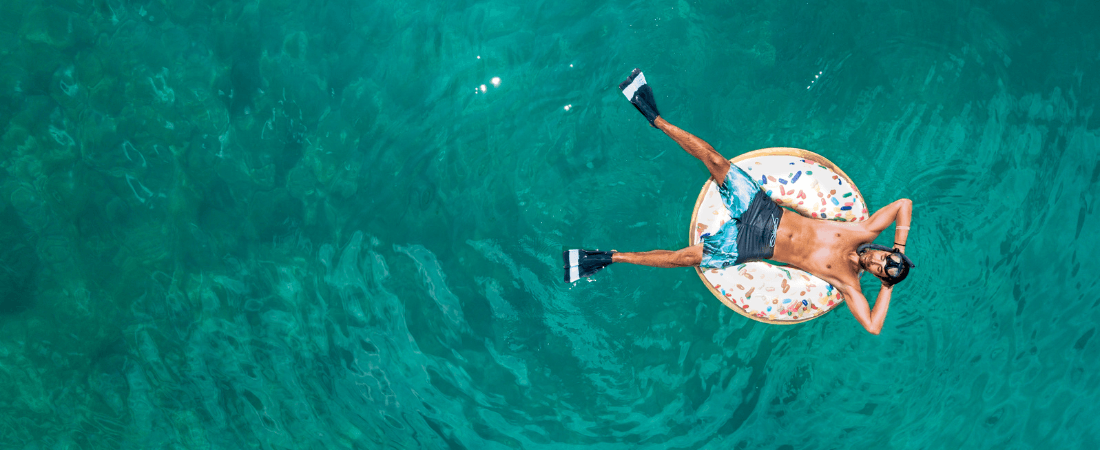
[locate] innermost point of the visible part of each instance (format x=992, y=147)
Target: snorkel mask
x=897, y=264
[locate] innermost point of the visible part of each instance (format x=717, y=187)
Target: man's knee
x=718, y=167
x=717, y=160
x=690, y=257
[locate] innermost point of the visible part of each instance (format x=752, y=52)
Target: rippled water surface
x=337, y=224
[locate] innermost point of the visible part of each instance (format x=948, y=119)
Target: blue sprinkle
x=763, y=179
x=769, y=308
x=845, y=208
x=769, y=193
x=834, y=200
x=782, y=181
x=805, y=303
x=785, y=301
x=796, y=175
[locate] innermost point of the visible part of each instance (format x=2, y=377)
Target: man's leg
x=641, y=96
x=717, y=164
x=585, y=263
x=685, y=257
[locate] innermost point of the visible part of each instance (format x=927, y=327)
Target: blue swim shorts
x=750, y=233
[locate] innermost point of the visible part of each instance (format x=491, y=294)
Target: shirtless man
x=837, y=252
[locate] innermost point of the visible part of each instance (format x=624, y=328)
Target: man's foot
x=640, y=95
x=584, y=263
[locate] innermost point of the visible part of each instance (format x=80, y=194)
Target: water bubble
x=68, y=84
x=130, y=181
x=126, y=152
x=163, y=92
x=61, y=137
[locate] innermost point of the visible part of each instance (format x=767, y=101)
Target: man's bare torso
x=824, y=248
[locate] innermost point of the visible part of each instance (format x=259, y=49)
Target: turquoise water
x=280, y=224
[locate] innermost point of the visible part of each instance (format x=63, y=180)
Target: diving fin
x=584, y=263
x=640, y=95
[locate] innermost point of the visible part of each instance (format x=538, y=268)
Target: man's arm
x=901, y=211
x=871, y=319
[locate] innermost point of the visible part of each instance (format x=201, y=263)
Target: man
x=837, y=252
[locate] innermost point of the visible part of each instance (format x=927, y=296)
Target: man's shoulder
x=852, y=234
x=842, y=276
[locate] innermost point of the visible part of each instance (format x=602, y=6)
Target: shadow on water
x=18, y=265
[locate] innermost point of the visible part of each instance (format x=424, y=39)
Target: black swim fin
x=640, y=95
x=584, y=263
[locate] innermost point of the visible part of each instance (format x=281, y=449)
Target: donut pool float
x=799, y=180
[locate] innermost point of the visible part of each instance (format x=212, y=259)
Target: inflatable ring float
x=804, y=182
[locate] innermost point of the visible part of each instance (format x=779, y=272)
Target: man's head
x=889, y=265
